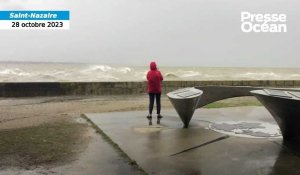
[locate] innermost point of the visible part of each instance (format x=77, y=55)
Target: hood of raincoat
x=153, y=66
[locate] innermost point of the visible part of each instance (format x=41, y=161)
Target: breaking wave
x=42, y=72
x=259, y=75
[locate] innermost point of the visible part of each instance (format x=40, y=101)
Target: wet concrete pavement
x=98, y=158
x=170, y=149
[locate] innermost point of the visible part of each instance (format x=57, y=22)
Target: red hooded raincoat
x=154, y=78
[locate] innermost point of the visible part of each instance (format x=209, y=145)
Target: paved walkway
x=170, y=149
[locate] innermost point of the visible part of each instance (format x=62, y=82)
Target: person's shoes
x=149, y=117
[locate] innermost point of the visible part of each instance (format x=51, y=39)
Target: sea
x=81, y=72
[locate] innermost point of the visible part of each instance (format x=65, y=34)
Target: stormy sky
x=172, y=32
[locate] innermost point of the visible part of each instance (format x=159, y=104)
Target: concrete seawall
x=31, y=89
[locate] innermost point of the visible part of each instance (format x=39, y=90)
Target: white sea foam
x=103, y=68
x=259, y=75
x=7, y=72
x=295, y=75
x=15, y=71
x=123, y=70
x=187, y=74
x=171, y=76
x=10, y=71
x=27, y=72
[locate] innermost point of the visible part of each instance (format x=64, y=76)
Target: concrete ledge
x=30, y=89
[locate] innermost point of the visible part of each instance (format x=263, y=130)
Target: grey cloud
x=176, y=33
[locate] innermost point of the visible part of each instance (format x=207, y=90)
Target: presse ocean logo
x=268, y=22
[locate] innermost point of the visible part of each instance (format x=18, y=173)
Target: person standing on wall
x=154, y=78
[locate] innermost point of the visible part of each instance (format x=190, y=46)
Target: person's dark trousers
x=152, y=97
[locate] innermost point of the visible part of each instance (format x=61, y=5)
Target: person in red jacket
x=154, y=78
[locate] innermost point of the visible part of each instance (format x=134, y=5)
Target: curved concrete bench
x=216, y=93
x=285, y=109
x=185, y=101
x=283, y=104
x=185, y=107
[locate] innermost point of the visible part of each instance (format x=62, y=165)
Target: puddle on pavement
x=249, y=129
x=149, y=129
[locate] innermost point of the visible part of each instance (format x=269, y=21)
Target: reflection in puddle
x=247, y=129
x=148, y=129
